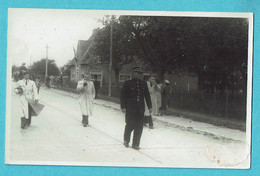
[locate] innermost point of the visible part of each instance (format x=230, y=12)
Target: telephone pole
x=111, y=55
x=46, y=67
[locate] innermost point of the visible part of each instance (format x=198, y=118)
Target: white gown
x=29, y=93
x=86, y=97
x=152, y=91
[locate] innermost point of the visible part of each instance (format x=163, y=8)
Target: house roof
x=82, y=51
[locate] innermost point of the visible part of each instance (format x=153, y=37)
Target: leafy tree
x=123, y=45
x=186, y=43
x=38, y=68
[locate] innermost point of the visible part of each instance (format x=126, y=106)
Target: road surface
x=57, y=136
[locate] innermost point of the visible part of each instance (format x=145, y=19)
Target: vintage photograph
x=129, y=88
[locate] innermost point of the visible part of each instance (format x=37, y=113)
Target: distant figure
x=38, y=85
x=27, y=91
x=61, y=80
x=159, y=96
x=22, y=70
x=133, y=95
x=47, y=81
x=165, y=95
x=87, y=94
x=152, y=88
x=97, y=86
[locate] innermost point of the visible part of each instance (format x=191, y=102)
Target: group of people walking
x=139, y=100
x=159, y=96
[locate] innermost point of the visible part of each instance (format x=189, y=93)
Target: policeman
x=133, y=94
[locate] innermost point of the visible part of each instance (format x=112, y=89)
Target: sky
x=30, y=30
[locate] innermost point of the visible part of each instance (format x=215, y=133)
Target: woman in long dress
x=152, y=87
x=159, y=98
x=87, y=94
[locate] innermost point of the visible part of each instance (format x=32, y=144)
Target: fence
x=226, y=104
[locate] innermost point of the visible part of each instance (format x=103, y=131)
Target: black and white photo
x=129, y=88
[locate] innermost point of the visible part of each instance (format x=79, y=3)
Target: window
x=98, y=75
x=73, y=75
x=77, y=73
x=124, y=77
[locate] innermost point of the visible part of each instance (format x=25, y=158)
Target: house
x=84, y=61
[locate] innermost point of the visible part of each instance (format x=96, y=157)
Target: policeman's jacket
x=133, y=94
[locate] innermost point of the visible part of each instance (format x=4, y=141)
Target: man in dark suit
x=133, y=95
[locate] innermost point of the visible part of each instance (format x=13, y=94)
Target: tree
x=187, y=43
x=177, y=44
x=123, y=45
x=38, y=68
x=15, y=69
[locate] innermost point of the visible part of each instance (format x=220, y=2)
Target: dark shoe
x=23, y=122
x=150, y=121
x=84, y=120
x=136, y=147
x=126, y=144
x=28, y=122
x=87, y=120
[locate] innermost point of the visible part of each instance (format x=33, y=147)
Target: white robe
x=152, y=91
x=87, y=94
x=29, y=93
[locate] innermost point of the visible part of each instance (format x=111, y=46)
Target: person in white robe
x=27, y=91
x=86, y=96
x=152, y=87
x=159, y=98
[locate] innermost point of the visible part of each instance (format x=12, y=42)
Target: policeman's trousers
x=134, y=122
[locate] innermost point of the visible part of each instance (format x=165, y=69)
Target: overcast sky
x=29, y=30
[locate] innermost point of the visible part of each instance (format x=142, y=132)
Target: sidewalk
x=209, y=130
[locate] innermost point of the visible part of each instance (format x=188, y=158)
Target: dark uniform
x=132, y=99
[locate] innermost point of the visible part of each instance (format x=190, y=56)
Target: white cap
x=166, y=81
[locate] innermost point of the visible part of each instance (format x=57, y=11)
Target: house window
x=77, y=73
x=97, y=75
x=124, y=77
x=73, y=75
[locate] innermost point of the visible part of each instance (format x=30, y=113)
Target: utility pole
x=46, y=67
x=30, y=61
x=111, y=55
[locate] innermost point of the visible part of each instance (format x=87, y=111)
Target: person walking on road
x=87, y=94
x=152, y=88
x=27, y=91
x=166, y=95
x=38, y=85
x=47, y=81
x=97, y=86
x=133, y=95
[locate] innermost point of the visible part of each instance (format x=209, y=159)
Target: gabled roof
x=83, y=48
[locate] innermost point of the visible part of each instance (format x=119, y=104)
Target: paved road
x=56, y=136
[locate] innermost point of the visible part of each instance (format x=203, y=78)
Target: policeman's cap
x=138, y=69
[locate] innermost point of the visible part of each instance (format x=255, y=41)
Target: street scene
x=88, y=88
x=56, y=135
